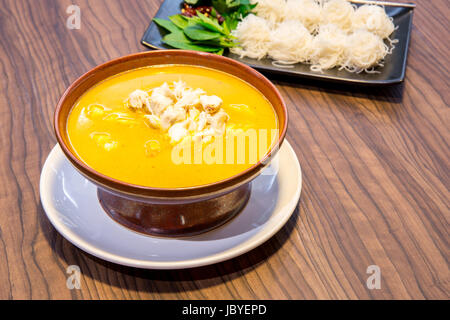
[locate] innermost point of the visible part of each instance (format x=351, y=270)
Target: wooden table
x=375, y=172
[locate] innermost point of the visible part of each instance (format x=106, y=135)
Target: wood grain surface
x=375, y=171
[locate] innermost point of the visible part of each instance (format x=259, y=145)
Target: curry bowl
x=169, y=211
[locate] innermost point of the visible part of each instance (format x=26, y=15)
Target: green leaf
x=193, y=2
x=220, y=52
x=245, y=9
x=166, y=24
x=180, y=41
x=232, y=17
x=198, y=32
x=179, y=20
x=207, y=22
x=226, y=28
x=222, y=42
x=225, y=6
x=214, y=12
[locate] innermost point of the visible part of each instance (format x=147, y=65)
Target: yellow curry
x=160, y=126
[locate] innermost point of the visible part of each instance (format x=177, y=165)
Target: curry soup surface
x=114, y=140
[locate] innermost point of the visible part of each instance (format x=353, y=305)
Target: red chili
x=190, y=11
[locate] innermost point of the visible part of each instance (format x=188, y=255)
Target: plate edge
x=162, y=265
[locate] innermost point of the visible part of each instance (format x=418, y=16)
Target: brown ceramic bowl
x=164, y=211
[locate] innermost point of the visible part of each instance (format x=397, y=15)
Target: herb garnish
x=210, y=31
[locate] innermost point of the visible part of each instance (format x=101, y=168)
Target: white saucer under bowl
x=71, y=204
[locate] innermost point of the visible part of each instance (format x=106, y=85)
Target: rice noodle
x=373, y=19
x=290, y=42
x=338, y=12
x=328, y=48
x=271, y=10
x=305, y=11
x=253, y=33
x=364, y=50
x=323, y=33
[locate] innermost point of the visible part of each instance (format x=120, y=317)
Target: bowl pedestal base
x=174, y=219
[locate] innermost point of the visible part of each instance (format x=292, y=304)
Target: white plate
x=71, y=204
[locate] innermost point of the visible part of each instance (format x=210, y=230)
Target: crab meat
x=171, y=115
x=190, y=98
x=210, y=104
x=153, y=121
x=181, y=111
x=218, y=121
x=164, y=90
x=177, y=132
x=178, y=89
x=159, y=103
x=138, y=100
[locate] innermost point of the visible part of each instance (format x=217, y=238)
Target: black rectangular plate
x=392, y=72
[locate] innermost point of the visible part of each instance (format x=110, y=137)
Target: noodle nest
x=323, y=33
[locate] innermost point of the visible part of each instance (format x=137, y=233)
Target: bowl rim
x=123, y=186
